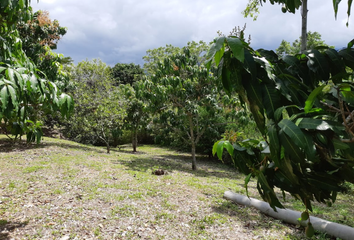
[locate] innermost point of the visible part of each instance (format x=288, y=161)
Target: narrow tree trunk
x=194, y=161
x=304, y=11
x=191, y=133
x=135, y=140
x=108, y=147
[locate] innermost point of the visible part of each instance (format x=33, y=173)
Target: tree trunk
x=191, y=133
x=290, y=216
x=194, y=161
x=135, y=140
x=304, y=11
x=108, y=147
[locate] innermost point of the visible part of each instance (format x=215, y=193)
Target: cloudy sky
x=120, y=31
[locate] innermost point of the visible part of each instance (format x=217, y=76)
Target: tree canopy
x=124, y=73
x=314, y=40
x=155, y=56
x=99, y=108
x=180, y=92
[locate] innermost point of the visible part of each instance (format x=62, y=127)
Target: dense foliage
x=303, y=106
x=126, y=73
x=99, y=111
x=26, y=93
x=180, y=93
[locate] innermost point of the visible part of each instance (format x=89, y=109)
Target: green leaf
x=219, y=149
x=226, y=79
x=293, y=131
x=216, y=48
x=66, y=104
x=335, y=7
x=350, y=44
x=250, y=64
x=254, y=92
x=274, y=143
x=349, y=8
x=271, y=99
x=267, y=192
x=310, y=149
x=278, y=114
x=312, y=97
x=4, y=96
x=348, y=56
x=257, y=113
x=237, y=48
x=291, y=150
x=229, y=148
x=337, y=65
x=215, y=147
x=310, y=123
x=338, y=144
x=323, y=184
x=10, y=74
x=247, y=180
x=317, y=63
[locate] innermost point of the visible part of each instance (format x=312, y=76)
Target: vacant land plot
x=65, y=190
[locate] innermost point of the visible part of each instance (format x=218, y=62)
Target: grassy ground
x=64, y=190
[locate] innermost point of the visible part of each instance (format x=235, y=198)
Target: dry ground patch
x=64, y=190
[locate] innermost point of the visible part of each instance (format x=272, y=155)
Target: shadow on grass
x=6, y=145
x=173, y=162
x=7, y=227
x=252, y=218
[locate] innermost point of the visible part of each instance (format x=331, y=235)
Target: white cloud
x=122, y=30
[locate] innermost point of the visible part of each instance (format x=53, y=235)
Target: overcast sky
x=120, y=31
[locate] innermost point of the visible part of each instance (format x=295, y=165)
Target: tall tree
x=181, y=92
x=99, y=105
x=313, y=40
x=40, y=37
x=136, y=112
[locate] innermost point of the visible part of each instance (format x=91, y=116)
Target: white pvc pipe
x=290, y=216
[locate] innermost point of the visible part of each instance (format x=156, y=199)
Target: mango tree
x=183, y=93
x=136, y=111
x=26, y=94
x=303, y=106
x=99, y=107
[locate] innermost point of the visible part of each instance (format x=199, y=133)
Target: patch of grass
x=58, y=191
x=3, y=222
x=31, y=169
x=12, y=185
x=123, y=211
x=163, y=216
